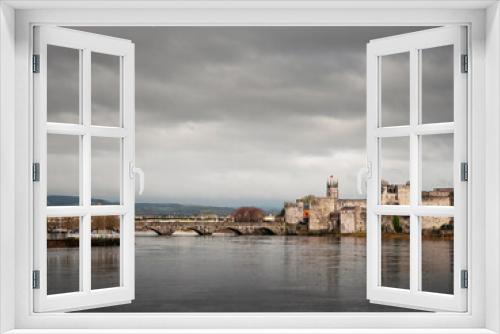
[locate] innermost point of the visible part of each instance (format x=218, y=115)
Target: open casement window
x=417, y=150
x=73, y=122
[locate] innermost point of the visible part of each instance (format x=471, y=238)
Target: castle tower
x=332, y=187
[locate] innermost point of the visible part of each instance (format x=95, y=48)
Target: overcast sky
x=247, y=115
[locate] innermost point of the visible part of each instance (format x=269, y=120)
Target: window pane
x=63, y=177
x=63, y=84
x=395, y=251
x=437, y=169
x=63, y=254
x=105, y=252
x=437, y=254
x=106, y=170
x=395, y=171
x=105, y=89
x=395, y=89
x=437, y=84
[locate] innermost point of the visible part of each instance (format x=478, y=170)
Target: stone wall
x=320, y=214
x=395, y=194
x=351, y=202
x=360, y=223
x=436, y=223
x=439, y=196
x=294, y=212
x=353, y=219
x=347, y=220
x=404, y=194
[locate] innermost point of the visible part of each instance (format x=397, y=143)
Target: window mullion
x=414, y=172
x=85, y=241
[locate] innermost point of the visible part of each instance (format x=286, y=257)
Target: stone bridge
x=166, y=226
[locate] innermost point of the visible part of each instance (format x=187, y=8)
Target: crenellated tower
x=332, y=187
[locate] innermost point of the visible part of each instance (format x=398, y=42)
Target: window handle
x=363, y=174
x=136, y=170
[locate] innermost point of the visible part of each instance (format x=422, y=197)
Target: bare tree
x=248, y=214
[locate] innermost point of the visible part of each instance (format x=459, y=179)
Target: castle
x=399, y=194
x=328, y=214
x=332, y=214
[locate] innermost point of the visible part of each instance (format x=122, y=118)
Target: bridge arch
x=186, y=229
x=228, y=229
x=200, y=232
x=157, y=231
x=264, y=231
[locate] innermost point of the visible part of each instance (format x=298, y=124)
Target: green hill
x=149, y=209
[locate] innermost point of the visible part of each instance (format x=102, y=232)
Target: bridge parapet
x=207, y=227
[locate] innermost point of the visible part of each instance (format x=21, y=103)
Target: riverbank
x=426, y=235
x=107, y=242
x=75, y=242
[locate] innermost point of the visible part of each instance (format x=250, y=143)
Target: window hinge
x=36, y=172
x=36, y=279
x=464, y=279
x=36, y=63
x=464, y=171
x=465, y=64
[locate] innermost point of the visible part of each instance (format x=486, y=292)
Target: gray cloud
x=245, y=115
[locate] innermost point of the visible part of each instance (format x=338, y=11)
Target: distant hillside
x=73, y=200
x=179, y=209
x=149, y=208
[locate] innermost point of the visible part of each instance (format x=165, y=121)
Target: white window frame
x=85, y=43
x=16, y=20
x=413, y=44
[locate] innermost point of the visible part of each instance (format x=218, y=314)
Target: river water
x=254, y=273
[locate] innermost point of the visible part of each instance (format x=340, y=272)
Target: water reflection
x=63, y=270
x=105, y=267
x=437, y=266
x=253, y=274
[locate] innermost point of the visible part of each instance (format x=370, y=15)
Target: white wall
x=492, y=214
x=6, y=167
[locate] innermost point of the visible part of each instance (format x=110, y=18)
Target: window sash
x=414, y=43
x=86, y=43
